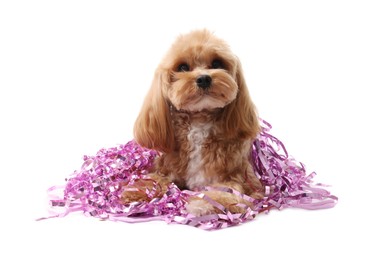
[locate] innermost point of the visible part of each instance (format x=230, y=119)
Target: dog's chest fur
x=196, y=137
x=191, y=165
x=202, y=155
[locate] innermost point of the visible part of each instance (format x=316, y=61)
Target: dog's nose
x=204, y=81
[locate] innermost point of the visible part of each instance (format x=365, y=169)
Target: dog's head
x=199, y=73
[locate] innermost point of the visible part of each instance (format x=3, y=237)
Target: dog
x=199, y=115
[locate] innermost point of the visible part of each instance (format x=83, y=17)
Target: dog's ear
x=153, y=128
x=240, y=116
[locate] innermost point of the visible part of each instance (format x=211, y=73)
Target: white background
x=73, y=75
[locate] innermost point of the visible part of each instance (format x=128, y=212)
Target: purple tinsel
x=96, y=188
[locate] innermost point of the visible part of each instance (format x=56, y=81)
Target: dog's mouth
x=205, y=100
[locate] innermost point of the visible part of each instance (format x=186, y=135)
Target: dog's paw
x=227, y=202
x=138, y=191
x=130, y=195
x=199, y=207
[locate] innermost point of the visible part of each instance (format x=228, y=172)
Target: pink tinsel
x=96, y=188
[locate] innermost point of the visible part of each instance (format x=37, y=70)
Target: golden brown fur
x=204, y=133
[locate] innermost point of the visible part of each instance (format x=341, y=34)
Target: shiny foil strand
x=96, y=188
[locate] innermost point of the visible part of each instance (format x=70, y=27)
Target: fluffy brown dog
x=199, y=114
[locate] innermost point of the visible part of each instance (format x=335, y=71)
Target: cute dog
x=199, y=115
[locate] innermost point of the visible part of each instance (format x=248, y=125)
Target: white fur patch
x=195, y=169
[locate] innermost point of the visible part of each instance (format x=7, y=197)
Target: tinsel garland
x=96, y=188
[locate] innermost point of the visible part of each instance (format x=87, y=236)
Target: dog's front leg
x=218, y=201
x=145, y=189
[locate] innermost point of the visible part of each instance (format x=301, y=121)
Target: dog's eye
x=183, y=67
x=217, y=64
